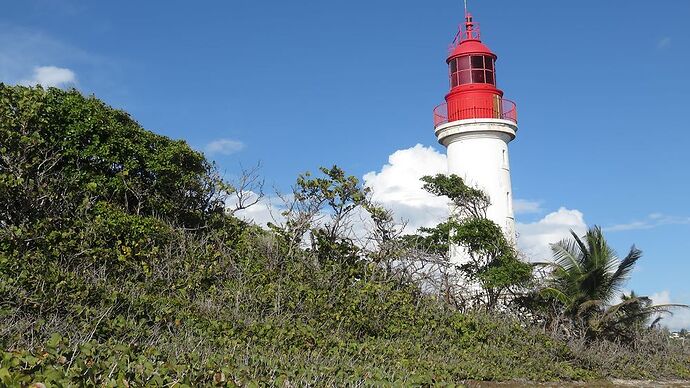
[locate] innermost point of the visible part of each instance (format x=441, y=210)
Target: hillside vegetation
x=121, y=264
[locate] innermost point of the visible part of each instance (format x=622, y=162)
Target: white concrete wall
x=478, y=153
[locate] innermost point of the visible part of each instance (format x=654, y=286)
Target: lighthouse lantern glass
x=478, y=77
x=477, y=62
x=468, y=69
x=463, y=63
x=488, y=63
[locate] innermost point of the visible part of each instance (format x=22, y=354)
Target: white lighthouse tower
x=476, y=124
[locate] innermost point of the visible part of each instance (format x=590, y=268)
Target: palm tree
x=587, y=276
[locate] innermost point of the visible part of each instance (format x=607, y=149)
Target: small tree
x=492, y=259
x=320, y=210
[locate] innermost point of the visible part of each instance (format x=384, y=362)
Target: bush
x=119, y=266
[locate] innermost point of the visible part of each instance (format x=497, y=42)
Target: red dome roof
x=470, y=46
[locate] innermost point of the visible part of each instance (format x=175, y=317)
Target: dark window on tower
x=478, y=77
x=465, y=77
x=463, y=63
x=488, y=63
x=454, y=80
x=477, y=62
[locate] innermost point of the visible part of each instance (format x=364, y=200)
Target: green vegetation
x=586, y=277
x=120, y=264
x=493, y=264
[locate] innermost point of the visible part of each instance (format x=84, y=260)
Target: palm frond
x=584, y=249
x=567, y=255
x=668, y=307
x=587, y=306
x=655, y=321
x=600, y=255
x=631, y=300
x=625, y=267
x=551, y=292
x=643, y=312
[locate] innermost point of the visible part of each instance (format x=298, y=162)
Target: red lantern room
x=473, y=93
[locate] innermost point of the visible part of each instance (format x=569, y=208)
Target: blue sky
x=601, y=89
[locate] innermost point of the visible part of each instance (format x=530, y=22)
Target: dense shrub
x=119, y=266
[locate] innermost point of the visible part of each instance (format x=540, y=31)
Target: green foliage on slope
x=119, y=265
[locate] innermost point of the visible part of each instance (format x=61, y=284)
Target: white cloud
x=50, y=76
x=397, y=186
x=664, y=42
x=653, y=220
x=523, y=206
x=534, y=238
x=223, y=147
x=681, y=316
x=268, y=209
x=22, y=50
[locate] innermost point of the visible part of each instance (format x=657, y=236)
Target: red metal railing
x=505, y=110
x=470, y=31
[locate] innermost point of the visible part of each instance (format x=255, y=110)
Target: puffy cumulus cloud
x=397, y=186
x=223, y=147
x=48, y=76
x=534, y=238
x=680, y=318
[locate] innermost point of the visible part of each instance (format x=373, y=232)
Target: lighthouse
x=475, y=124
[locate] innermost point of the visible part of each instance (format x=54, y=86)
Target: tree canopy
x=61, y=149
